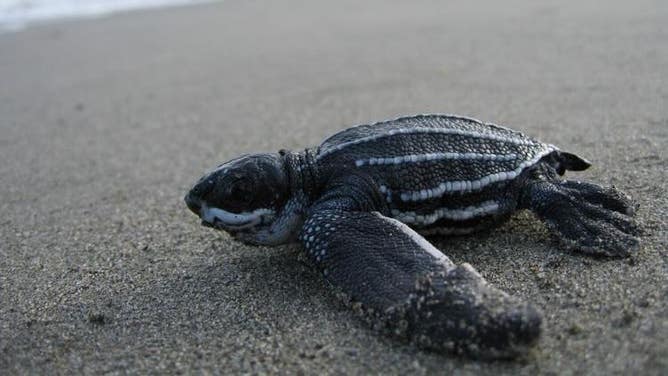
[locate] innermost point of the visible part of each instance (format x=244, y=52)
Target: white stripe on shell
x=238, y=220
x=415, y=158
x=472, y=185
x=418, y=130
x=447, y=231
x=420, y=241
x=486, y=208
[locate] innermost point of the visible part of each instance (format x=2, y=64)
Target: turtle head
x=242, y=195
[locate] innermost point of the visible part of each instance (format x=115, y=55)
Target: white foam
x=17, y=14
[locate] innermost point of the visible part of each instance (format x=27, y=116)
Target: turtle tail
x=563, y=161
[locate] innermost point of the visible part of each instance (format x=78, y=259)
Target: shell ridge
x=421, y=123
x=426, y=130
x=450, y=186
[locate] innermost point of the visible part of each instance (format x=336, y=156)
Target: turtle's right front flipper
x=407, y=286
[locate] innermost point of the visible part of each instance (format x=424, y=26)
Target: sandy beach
x=105, y=124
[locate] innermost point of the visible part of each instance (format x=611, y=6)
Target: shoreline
x=40, y=14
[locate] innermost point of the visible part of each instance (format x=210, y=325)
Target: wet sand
x=104, y=124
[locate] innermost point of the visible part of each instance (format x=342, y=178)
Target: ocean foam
x=17, y=14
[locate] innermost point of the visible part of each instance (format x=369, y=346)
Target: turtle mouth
x=234, y=222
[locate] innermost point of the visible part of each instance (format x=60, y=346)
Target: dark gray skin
x=359, y=201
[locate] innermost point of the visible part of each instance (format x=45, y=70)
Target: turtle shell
x=445, y=170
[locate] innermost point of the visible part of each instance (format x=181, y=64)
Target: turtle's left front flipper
x=407, y=286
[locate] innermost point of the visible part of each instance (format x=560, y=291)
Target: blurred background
x=106, y=121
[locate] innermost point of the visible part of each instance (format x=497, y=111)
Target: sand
x=105, y=123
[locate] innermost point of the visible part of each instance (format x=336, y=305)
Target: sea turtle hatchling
x=360, y=201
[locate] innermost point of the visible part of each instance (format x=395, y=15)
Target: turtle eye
x=241, y=193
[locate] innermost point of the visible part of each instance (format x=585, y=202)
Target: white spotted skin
x=314, y=237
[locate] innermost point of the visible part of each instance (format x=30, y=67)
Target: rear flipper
x=585, y=217
x=407, y=287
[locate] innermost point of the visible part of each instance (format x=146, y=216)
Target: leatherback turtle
x=360, y=201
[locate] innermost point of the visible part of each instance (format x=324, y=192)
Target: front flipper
x=585, y=217
x=406, y=286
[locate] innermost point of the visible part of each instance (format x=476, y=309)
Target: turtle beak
x=194, y=198
x=194, y=203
